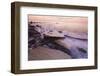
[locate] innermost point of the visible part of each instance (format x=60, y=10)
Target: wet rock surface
x=74, y=45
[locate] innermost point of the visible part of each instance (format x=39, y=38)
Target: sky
x=66, y=23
